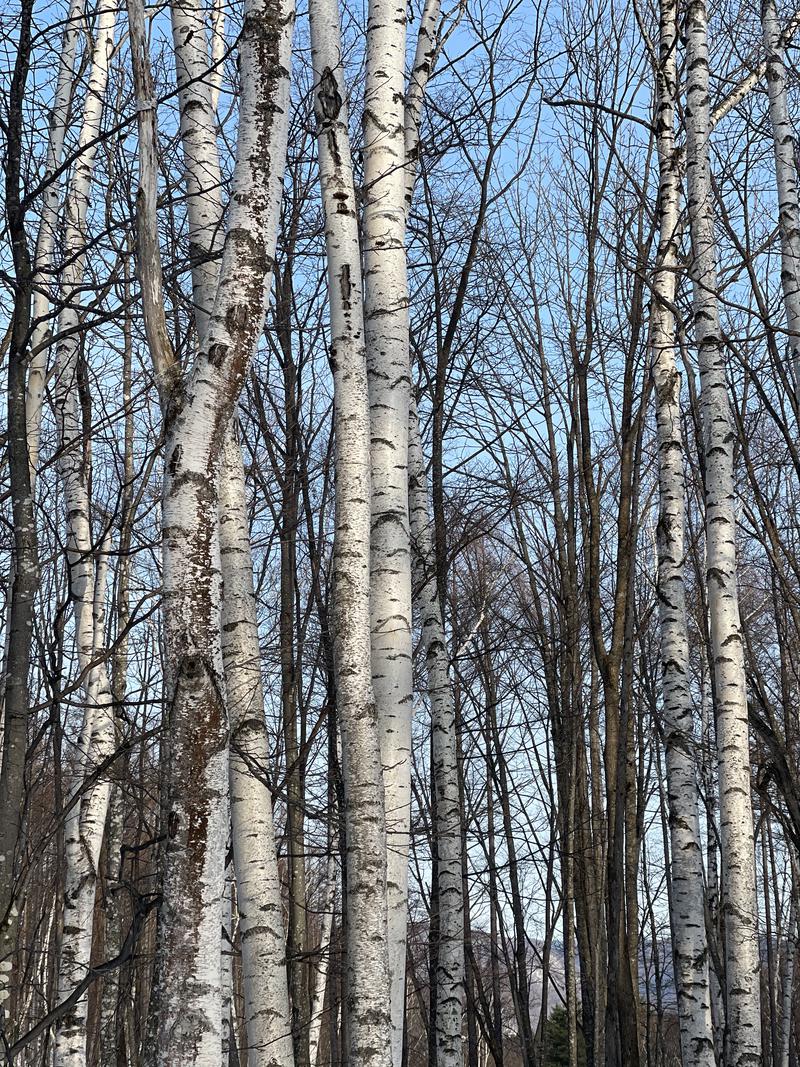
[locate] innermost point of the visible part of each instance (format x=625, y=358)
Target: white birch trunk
x=450, y=990
x=217, y=51
x=86, y=818
x=258, y=888
x=323, y=967
x=45, y=242
x=688, y=894
x=450, y=977
x=368, y=982
x=227, y=964
x=743, y=1018
x=424, y=59
x=198, y=133
x=786, y=177
x=255, y=858
x=386, y=326
x=187, y=996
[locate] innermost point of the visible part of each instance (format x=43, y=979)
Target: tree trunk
x=369, y=1020
x=88, y=804
x=258, y=886
x=449, y=976
x=48, y=228
x=743, y=1019
x=687, y=898
x=25, y=561
x=386, y=326
x=186, y=1001
x=786, y=175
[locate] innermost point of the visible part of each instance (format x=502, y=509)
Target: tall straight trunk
x=86, y=817
x=369, y=1020
x=323, y=967
x=44, y=262
x=217, y=51
x=496, y=1021
x=424, y=58
x=687, y=900
x=201, y=167
x=449, y=976
x=386, y=326
x=742, y=965
x=258, y=886
x=113, y=1002
x=472, y=1025
x=186, y=1001
x=713, y=926
x=25, y=561
x=568, y=874
x=448, y=989
x=258, y=890
x=786, y=177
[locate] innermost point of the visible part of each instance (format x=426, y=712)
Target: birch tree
x=44, y=260
x=786, y=174
x=450, y=960
x=258, y=883
x=27, y=367
x=742, y=963
x=688, y=896
x=386, y=332
x=369, y=1018
x=187, y=995
x=450, y=947
x=89, y=795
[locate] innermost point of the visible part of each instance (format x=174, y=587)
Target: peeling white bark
x=742, y=965
x=688, y=894
x=368, y=1019
x=187, y=996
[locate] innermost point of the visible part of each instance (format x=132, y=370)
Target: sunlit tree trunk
x=89, y=793
x=258, y=887
x=266, y=1004
x=783, y=137
x=688, y=895
x=369, y=1032
x=386, y=326
x=742, y=964
x=449, y=993
x=323, y=967
x=186, y=1003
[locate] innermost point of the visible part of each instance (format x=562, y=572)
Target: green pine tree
x=557, y=1041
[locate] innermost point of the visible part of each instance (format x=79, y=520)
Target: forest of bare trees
x=400, y=533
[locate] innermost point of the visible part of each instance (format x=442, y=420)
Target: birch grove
x=400, y=609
